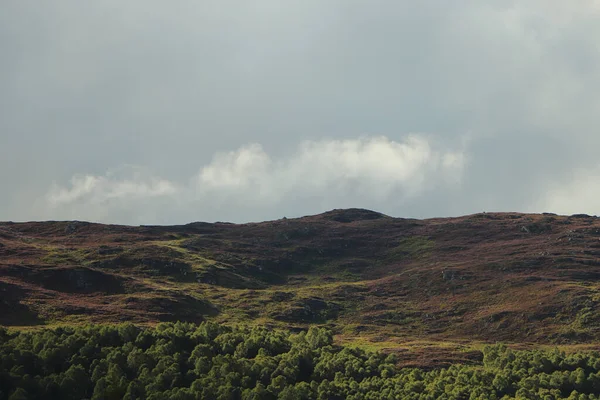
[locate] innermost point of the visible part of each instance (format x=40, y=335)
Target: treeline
x=208, y=361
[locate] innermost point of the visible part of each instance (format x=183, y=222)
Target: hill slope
x=484, y=277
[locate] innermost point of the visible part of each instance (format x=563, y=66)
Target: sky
x=155, y=112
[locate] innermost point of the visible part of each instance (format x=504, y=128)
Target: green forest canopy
x=209, y=361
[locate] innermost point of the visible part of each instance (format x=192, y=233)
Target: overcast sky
x=144, y=112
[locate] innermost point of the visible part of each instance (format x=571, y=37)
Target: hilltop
x=393, y=283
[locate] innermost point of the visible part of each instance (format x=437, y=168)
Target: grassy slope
x=441, y=286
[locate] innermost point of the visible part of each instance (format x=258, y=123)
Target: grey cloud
x=89, y=88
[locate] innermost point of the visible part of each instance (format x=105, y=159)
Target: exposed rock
x=448, y=274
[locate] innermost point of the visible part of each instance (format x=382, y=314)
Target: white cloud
x=101, y=189
x=577, y=195
x=236, y=169
x=370, y=170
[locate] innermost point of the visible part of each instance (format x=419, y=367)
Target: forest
x=210, y=361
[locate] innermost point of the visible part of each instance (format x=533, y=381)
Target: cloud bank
x=325, y=174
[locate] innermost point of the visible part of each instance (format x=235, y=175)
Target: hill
x=435, y=289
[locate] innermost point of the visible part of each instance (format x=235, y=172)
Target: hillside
x=392, y=283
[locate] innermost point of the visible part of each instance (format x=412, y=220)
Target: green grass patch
x=63, y=256
x=412, y=247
